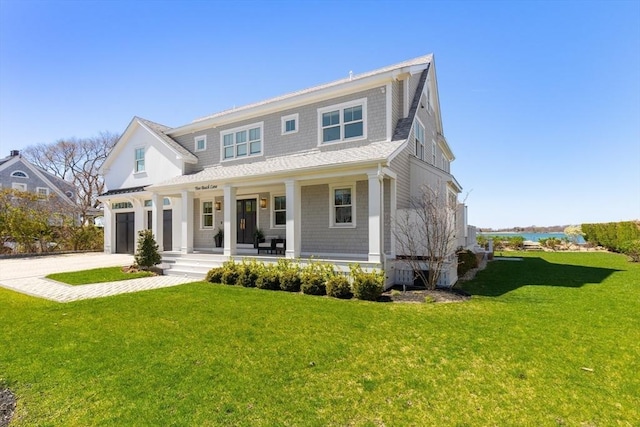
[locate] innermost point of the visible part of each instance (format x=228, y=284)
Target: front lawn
x=549, y=340
x=97, y=275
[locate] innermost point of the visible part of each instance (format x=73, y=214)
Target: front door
x=247, y=220
x=125, y=226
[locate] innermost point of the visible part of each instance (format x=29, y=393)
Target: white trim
x=285, y=119
x=273, y=211
x=341, y=107
x=195, y=142
x=233, y=131
x=13, y=174
x=433, y=152
x=213, y=214
x=46, y=191
x=352, y=186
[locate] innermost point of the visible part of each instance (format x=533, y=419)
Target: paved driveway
x=26, y=275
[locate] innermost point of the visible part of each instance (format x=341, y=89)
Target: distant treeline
x=615, y=236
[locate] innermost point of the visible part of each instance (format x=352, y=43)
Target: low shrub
x=466, y=261
x=230, y=273
x=552, y=243
x=248, y=273
x=313, y=278
x=366, y=286
x=338, y=287
x=214, y=275
x=269, y=278
x=632, y=250
x=290, y=281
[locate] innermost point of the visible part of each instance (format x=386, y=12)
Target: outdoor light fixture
x=263, y=203
x=218, y=206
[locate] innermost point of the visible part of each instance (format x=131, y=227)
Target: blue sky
x=540, y=100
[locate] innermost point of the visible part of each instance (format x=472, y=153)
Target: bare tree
x=78, y=161
x=426, y=234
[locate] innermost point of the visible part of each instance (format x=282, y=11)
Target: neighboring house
x=325, y=168
x=18, y=173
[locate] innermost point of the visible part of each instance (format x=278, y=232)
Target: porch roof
x=312, y=160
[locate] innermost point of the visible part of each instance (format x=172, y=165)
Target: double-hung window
x=290, y=124
x=139, y=166
x=207, y=214
x=419, y=136
x=342, y=122
x=242, y=142
x=42, y=192
x=343, y=206
x=279, y=211
x=433, y=152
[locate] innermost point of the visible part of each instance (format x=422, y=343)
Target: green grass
x=96, y=275
x=203, y=354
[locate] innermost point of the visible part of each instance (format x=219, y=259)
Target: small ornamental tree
x=147, y=254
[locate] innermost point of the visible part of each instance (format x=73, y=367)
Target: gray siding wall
x=33, y=181
x=397, y=102
x=318, y=237
x=276, y=144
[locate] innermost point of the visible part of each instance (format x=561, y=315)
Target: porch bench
x=272, y=245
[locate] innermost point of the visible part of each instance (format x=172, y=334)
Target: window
x=122, y=205
x=20, y=186
x=419, y=135
x=343, y=206
x=200, y=143
x=290, y=124
x=69, y=194
x=207, y=215
x=42, y=191
x=279, y=211
x=242, y=142
x=433, y=152
x=342, y=122
x=139, y=160
x=19, y=174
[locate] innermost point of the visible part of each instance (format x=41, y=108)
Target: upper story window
x=342, y=122
x=69, y=194
x=42, y=191
x=343, y=206
x=419, y=137
x=242, y=142
x=433, y=152
x=279, y=211
x=200, y=143
x=19, y=174
x=139, y=167
x=21, y=186
x=289, y=124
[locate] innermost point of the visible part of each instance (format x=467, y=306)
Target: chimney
x=15, y=153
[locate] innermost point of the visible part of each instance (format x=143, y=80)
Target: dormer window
x=290, y=124
x=19, y=174
x=241, y=142
x=343, y=122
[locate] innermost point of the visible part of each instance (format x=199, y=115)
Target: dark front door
x=167, y=228
x=125, y=225
x=247, y=220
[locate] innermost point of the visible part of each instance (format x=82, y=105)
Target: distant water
x=534, y=237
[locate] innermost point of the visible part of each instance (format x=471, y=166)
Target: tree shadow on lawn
x=501, y=277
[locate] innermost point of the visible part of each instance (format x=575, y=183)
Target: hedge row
x=314, y=279
x=614, y=236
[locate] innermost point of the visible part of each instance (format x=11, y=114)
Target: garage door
x=125, y=229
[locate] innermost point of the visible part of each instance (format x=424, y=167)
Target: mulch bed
x=7, y=406
x=397, y=294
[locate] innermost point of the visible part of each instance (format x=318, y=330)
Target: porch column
x=294, y=209
x=375, y=217
x=176, y=224
x=138, y=225
x=230, y=220
x=109, y=228
x=186, y=229
x=157, y=220
x=393, y=208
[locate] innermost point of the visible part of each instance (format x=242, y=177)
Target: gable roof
x=411, y=66
x=311, y=160
x=159, y=132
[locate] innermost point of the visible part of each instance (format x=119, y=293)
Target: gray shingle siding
x=33, y=181
x=276, y=144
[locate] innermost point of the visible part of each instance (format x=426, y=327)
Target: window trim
x=273, y=210
x=42, y=188
x=233, y=131
x=332, y=206
x=20, y=186
x=433, y=152
x=418, y=124
x=136, y=160
x=13, y=174
x=195, y=142
x=341, y=107
x=283, y=123
x=202, y=214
